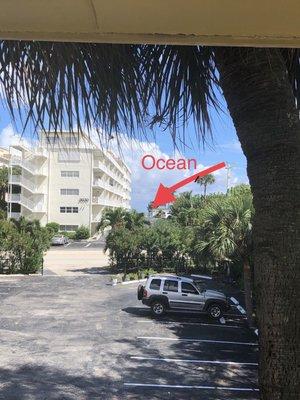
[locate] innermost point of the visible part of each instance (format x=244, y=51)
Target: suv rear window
x=155, y=284
x=171, y=286
x=188, y=288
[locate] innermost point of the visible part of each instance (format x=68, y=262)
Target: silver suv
x=163, y=292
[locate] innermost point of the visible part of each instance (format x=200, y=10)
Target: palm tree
x=112, y=218
x=227, y=227
x=117, y=87
x=205, y=180
x=134, y=220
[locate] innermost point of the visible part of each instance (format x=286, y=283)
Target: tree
x=22, y=246
x=53, y=227
x=205, y=180
x=82, y=232
x=168, y=85
x=134, y=220
x=226, y=234
x=185, y=208
x=3, y=187
x=112, y=218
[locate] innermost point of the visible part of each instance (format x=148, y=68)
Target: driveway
x=76, y=258
x=78, y=338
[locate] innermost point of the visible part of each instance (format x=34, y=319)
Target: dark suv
x=163, y=292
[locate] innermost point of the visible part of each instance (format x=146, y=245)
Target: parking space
x=77, y=337
x=187, y=356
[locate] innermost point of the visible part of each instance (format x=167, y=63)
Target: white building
x=66, y=179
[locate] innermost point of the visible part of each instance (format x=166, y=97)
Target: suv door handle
x=165, y=292
x=184, y=294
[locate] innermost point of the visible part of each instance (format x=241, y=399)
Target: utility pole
x=229, y=168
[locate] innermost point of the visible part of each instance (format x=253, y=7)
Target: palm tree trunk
x=261, y=104
x=248, y=292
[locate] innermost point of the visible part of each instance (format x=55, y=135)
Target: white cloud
x=232, y=146
x=9, y=137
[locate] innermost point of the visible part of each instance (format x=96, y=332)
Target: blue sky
x=224, y=147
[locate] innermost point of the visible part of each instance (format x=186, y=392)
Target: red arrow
x=165, y=195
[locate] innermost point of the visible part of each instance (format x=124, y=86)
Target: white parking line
x=88, y=245
x=241, y=310
x=153, y=385
x=196, y=340
x=179, y=360
x=234, y=300
x=188, y=323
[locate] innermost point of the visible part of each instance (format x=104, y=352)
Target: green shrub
x=22, y=246
x=68, y=234
x=82, y=232
x=53, y=227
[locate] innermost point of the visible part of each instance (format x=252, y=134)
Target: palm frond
x=113, y=87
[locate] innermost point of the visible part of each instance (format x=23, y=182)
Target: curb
x=136, y=281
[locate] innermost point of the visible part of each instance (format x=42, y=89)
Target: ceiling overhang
x=209, y=22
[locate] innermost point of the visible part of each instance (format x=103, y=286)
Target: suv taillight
x=145, y=294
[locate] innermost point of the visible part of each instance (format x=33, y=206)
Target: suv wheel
x=140, y=292
x=158, y=308
x=215, y=311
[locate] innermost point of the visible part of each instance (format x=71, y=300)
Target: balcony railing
x=104, y=168
x=27, y=183
x=104, y=201
x=107, y=186
x=28, y=165
x=24, y=201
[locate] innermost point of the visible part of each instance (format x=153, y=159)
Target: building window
x=68, y=156
x=68, y=228
x=69, y=174
x=69, y=192
x=69, y=210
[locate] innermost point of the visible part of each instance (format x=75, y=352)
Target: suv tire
x=158, y=308
x=140, y=292
x=215, y=311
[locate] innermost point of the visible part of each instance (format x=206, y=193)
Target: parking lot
x=80, y=338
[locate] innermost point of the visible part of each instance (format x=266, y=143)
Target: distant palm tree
x=112, y=218
x=134, y=220
x=125, y=87
x=205, y=181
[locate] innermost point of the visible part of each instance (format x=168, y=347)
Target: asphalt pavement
x=80, y=245
x=80, y=338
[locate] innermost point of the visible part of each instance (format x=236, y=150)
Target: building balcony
x=25, y=202
x=26, y=183
x=105, y=185
x=105, y=201
x=29, y=166
x=99, y=165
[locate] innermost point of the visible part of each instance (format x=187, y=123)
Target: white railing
x=27, y=183
x=107, y=186
x=106, y=202
x=104, y=168
x=31, y=167
x=28, y=203
x=13, y=197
